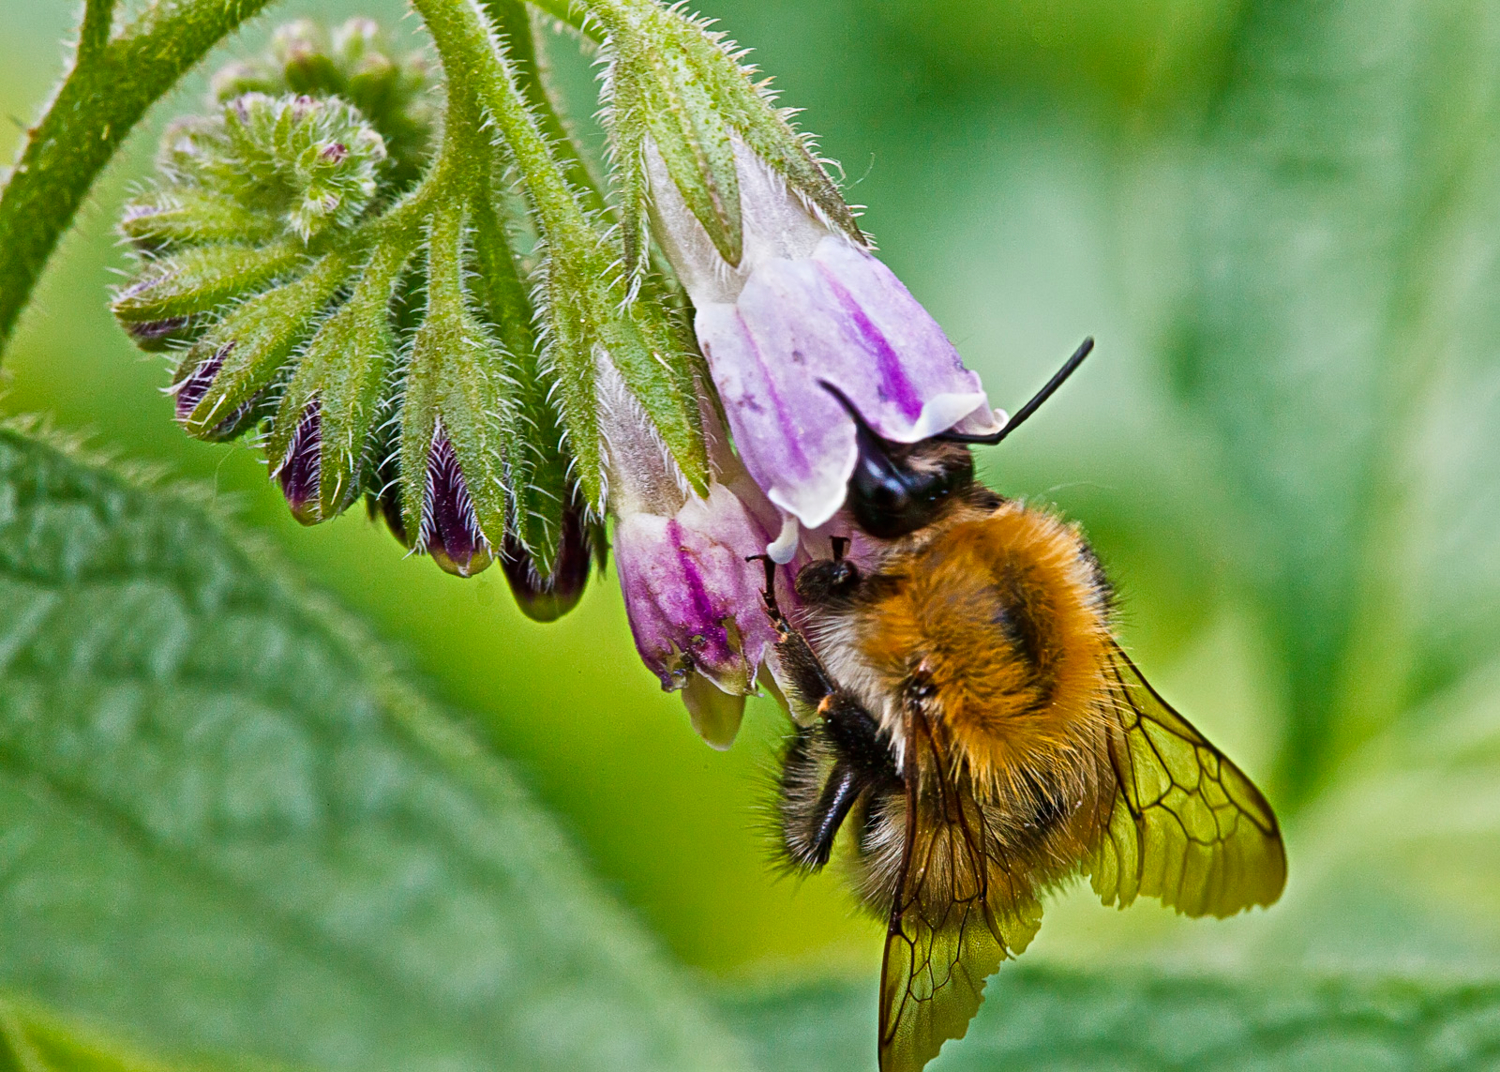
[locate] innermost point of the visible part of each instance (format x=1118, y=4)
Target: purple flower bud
x=806, y=305
x=450, y=529
x=300, y=468
x=383, y=500
x=193, y=388
x=546, y=599
x=189, y=390
x=152, y=335
x=693, y=599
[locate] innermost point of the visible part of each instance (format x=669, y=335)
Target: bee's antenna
x=1057, y=380
x=849, y=407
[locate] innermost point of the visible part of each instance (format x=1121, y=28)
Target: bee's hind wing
x=1186, y=826
x=940, y=949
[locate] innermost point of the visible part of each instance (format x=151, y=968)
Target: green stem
x=476, y=68
x=573, y=13
x=111, y=85
x=98, y=20
x=529, y=64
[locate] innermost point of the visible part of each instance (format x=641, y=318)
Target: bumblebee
x=975, y=727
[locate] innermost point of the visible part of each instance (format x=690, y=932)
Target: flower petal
x=693, y=599
x=716, y=715
x=843, y=317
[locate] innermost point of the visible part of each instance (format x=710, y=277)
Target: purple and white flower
x=807, y=306
x=693, y=599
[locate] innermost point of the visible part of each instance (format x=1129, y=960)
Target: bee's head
x=898, y=488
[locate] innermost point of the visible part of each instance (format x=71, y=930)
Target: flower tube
x=806, y=306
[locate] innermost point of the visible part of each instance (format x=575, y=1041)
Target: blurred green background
x=1280, y=220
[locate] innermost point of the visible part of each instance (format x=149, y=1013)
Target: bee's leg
x=810, y=682
x=864, y=762
x=813, y=844
x=768, y=594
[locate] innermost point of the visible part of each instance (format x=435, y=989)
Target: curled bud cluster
x=355, y=63
x=321, y=287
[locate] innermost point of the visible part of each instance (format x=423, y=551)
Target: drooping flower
x=804, y=307
x=692, y=596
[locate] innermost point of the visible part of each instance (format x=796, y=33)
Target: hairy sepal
x=200, y=280
x=255, y=341
x=343, y=370
x=672, y=80
x=658, y=94
x=538, y=465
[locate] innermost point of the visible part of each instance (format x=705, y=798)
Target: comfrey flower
x=692, y=597
x=807, y=309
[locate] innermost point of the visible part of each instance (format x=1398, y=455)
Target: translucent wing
x=1186, y=826
x=955, y=919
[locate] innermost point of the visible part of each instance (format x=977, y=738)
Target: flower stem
x=512, y=20
x=573, y=13
x=98, y=19
x=476, y=68
x=112, y=83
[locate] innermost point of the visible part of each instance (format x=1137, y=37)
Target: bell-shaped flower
x=805, y=307
x=692, y=596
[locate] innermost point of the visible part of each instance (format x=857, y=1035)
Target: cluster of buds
x=446, y=317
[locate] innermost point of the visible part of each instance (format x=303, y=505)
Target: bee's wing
x=1186, y=825
x=939, y=950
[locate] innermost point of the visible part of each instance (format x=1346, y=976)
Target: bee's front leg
x=810, y=682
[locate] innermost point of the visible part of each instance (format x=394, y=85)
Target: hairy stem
x=112, y=83
x=475, y=67
x=573, y=13
x=98, y=20
x=513, y=22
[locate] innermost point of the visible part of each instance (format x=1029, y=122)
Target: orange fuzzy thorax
x=1005, y=619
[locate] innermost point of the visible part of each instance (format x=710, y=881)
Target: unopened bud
x=450, y=529
x=252, y=344
x=198, y=280
x=383, y=500
x=298, y=473
x=301, y=49
x=194, y=381
x=237, y=79
x=545, y=599
x=156, y=335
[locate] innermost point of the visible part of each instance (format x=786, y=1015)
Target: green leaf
x=35, y=1040
x=1035, y=1020
x=228, y=827
x=1334, y=196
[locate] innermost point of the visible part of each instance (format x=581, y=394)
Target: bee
x=974, y=725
